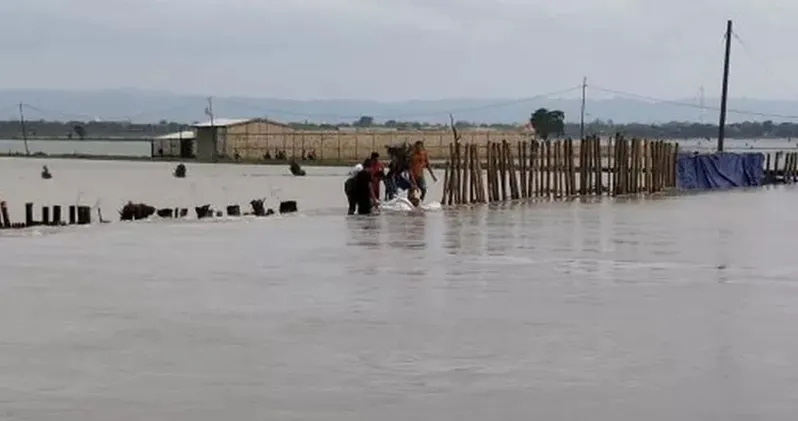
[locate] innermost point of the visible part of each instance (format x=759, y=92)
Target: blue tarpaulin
x=719, y=171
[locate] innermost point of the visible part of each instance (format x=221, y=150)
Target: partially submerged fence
x=781, y=171
x=557, y=169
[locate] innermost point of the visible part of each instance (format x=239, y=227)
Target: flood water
x=679, y=308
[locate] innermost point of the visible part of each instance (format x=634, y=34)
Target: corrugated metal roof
x=223, y=122
x=187, y=134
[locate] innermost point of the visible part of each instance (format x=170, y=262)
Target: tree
x=548, y=122
x=80, y=131
x=364, y=121
x=767, y=126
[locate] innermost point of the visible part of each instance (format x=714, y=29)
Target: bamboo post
x=611, y=158
x=582, y=172
x=587, y=166
x=480, y=180
x=503, y=168
x=768, y=174
x=647, y=165
x=674, y=164
x=548, y=168
x=566, y=186
x=446, y=169
x=659, y=169
x=787, y=163
x=497, y=182
x=472, y=191
x=540, y=168
x=474, y=174
x=56, y=215
x=597, y=169
x=533, y=168
x=654, y=166
x=666, y=165
x=457, y=179
x=521, y=185
x=621, y=167
x=29, y=221
x=452, y=177
x=464, y=173
x=636, y=165
x=572, y=166
x=515, y=171
x=615, y=160
x=4, y=215
x=558, y=185
x=45, y=215
x=506, y=154
x=559, y=168
x=489, y=172
x=555, y=168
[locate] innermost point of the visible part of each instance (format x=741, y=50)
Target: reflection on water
x=674, y=308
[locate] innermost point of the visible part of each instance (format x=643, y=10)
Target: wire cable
x=687, y=104
x=408, y=115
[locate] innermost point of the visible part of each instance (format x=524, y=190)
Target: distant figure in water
x=180, y=171
x=296, y=169
x=46, y=173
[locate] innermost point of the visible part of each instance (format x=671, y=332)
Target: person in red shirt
x=377, y=171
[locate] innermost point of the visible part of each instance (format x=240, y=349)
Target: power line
x=407, y=115
x=691, y=105
x=762, y=63
x=81, y=116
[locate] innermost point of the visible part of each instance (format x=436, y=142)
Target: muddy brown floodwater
x=679, y=308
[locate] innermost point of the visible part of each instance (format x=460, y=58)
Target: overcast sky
x=397, y=49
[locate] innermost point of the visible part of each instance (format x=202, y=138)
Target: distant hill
x=141, y=106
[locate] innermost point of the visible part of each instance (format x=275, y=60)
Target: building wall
x=171, y=147
x=251, y=140
x=205, y=150
x=253, y=143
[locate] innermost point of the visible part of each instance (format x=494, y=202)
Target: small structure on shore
x=296, y=169
x=180, y=171
x=136, y=211
x=49, y=216
x=46, y=173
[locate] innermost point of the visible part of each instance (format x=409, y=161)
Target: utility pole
x=24, y=129
x=582, y=119
x=725, y=92
x=214, y=130
x=209, y=110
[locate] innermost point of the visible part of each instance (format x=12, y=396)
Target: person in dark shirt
x=358, y=190
x=399, y=163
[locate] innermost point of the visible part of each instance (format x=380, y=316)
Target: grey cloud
x=389, y=49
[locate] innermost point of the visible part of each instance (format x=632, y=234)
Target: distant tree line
x=548, y=123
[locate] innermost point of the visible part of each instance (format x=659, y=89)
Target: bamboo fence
x=558, y=169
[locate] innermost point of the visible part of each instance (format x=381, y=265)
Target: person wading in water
x=377, y=171
x=359, y=192
x=419, y=161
